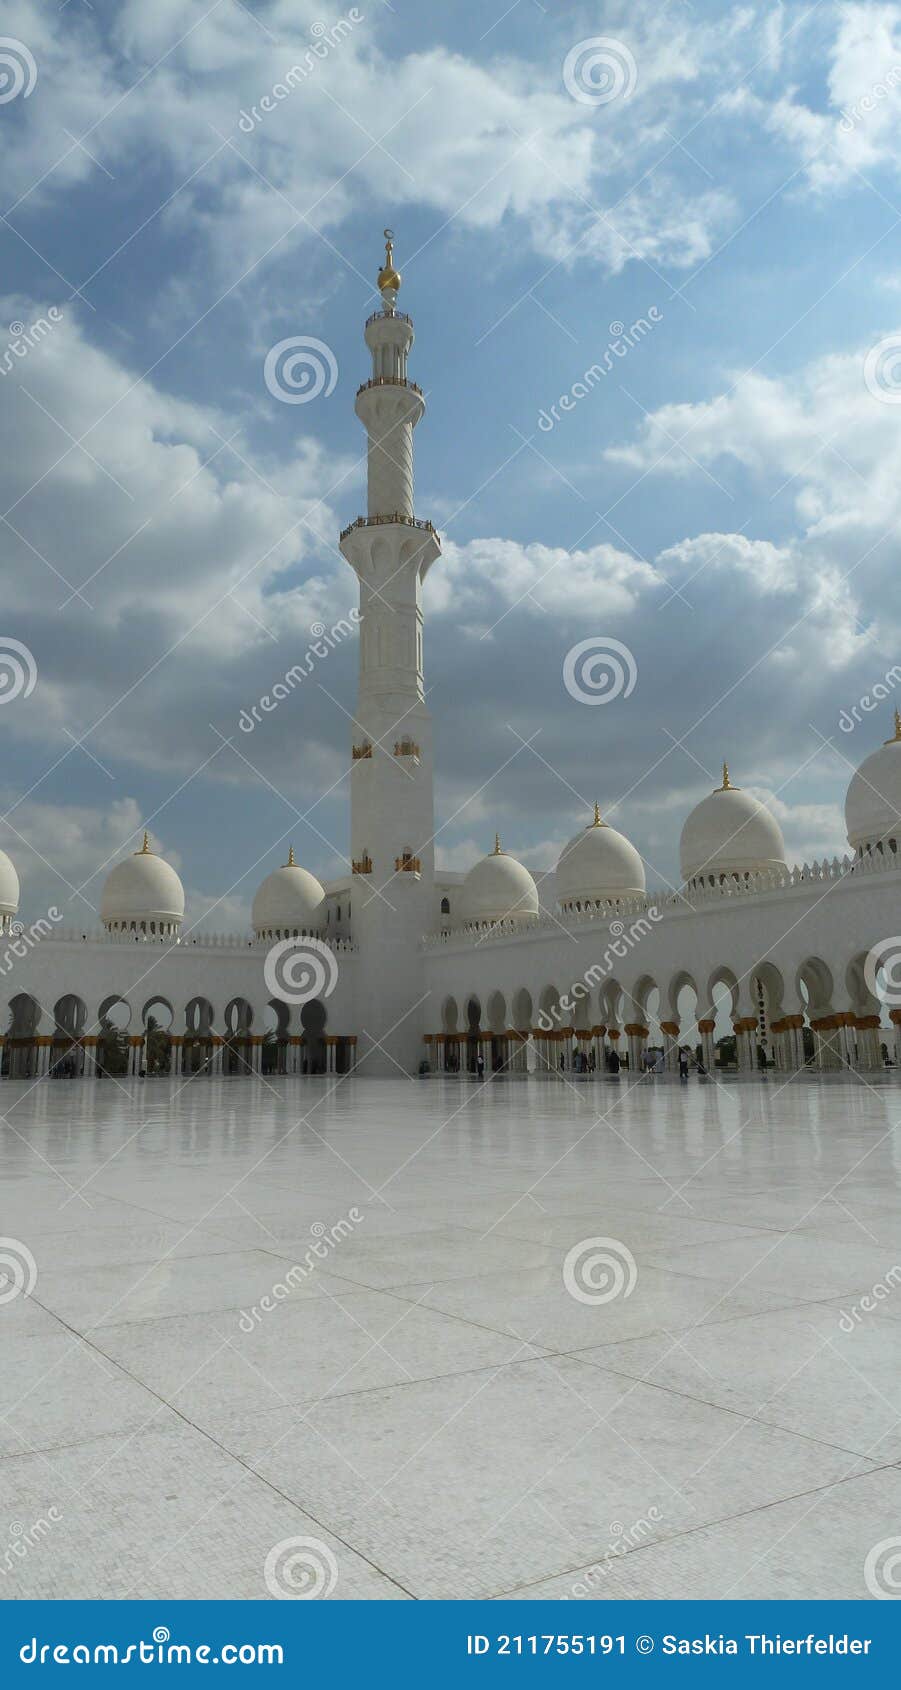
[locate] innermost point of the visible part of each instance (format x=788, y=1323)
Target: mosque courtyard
x=529, y=1338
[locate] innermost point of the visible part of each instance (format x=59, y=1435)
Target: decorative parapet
x=200, y=941
x=361, y=865
x=407, y=864
x=378, y=521
x=800, y=878
x=364, y=750
x=406, y=748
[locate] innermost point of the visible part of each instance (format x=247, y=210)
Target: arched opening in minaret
x=313, y=1020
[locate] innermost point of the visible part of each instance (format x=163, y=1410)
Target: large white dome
x=873, y=802
x=144, y=892
x=289, y=901
x=9, y=889
x=597, y=866
x=730, y=833
x=498, y=888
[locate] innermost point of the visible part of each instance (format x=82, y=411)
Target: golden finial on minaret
x=597, y=815
x=388, y=278
x=497, y=845
x=291, y=863
x=897, y=733
x=145, y=848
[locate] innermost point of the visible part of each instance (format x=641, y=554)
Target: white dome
x=142, y=890
x=873, y=803
x=498, y=889
x=730, y=833
x=9, y=887
x=289, y=901
x=599, y=864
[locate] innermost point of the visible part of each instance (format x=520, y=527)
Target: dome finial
x=897, y=733
x=727, y=784
x=389, y=279
x=597, y=815
x=145, y=848
x=291, y=863
x=497, y=846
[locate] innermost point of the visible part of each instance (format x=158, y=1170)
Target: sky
x=714, y=191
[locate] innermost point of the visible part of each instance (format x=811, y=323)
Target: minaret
x=392, y=813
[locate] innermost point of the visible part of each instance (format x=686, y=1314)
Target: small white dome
x=598, y=865
x=289, y=901
x=730, y=833
x=142, y=890
x=873, y=803
x=498, y=888
x=9, y=887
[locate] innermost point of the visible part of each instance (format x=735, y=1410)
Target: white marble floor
x=239, y=1313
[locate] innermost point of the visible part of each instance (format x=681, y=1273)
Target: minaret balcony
x=389, y=381
x=407, y=864
x=379, y=521
x=398, y=316
x=364, y=750
x=361, y=865
x=407, y=748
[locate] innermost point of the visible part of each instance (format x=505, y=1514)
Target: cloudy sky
x=722, y=500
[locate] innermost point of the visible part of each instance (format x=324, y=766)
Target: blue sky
x=724, y=502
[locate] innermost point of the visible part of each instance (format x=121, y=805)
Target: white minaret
x=392, y=814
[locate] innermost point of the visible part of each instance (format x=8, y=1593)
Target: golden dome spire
x=727, y=784
x=597, y=815
x=388, y=277
x=897, y=733
x=497, y=852
x=145, y=850
x=291, y=863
